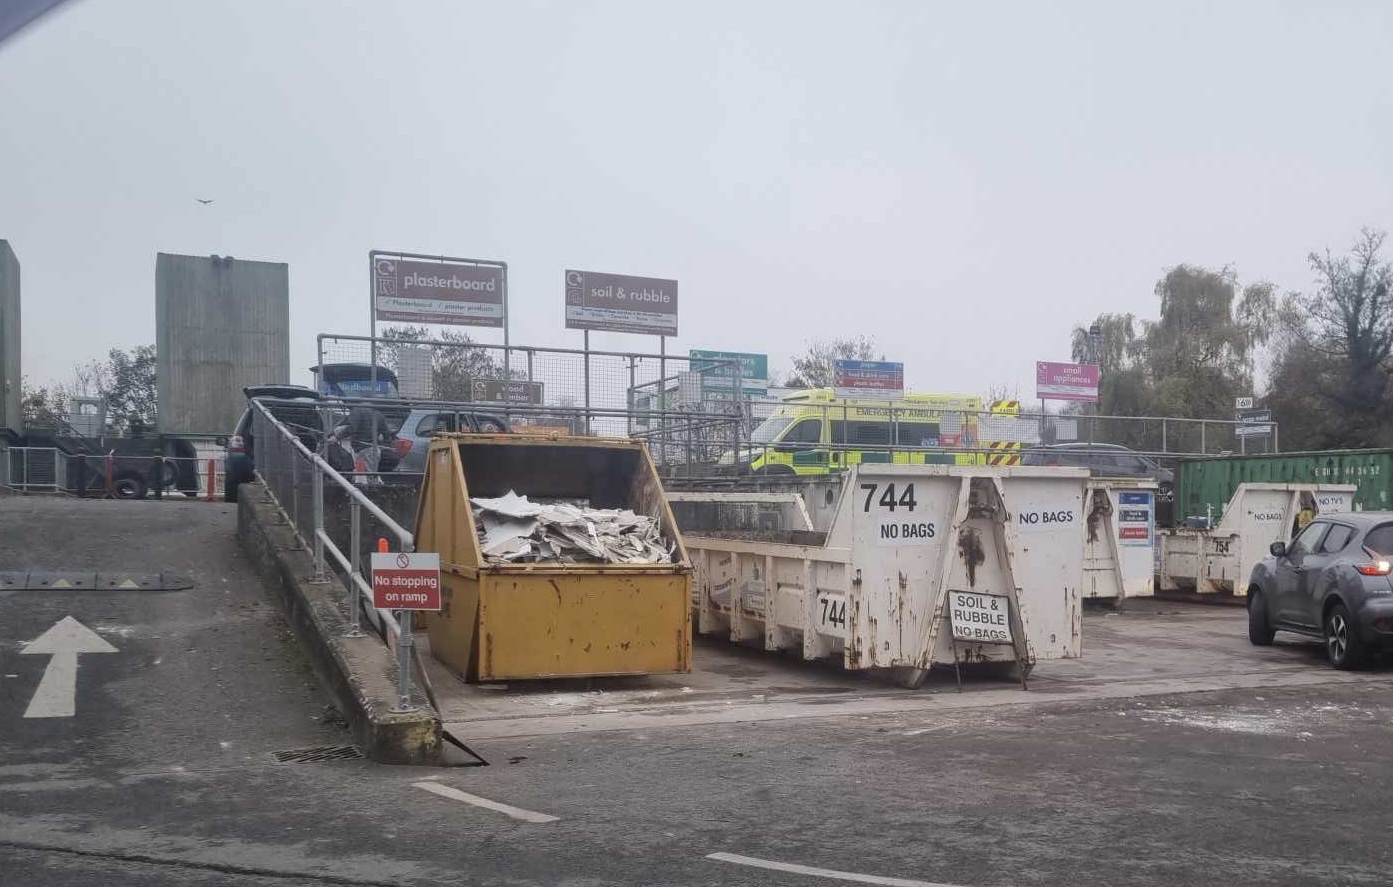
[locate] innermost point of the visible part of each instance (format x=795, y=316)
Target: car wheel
x=1260, y=631
x=775, y=471
x=129, y=486
x=1342, y=643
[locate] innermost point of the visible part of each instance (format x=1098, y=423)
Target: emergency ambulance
x=815, y=432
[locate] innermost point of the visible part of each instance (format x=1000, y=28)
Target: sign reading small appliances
x=621, y=304
x=1066, y=381
x=447, y=291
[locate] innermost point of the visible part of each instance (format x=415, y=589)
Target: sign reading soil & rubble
x=983, y=618
x=406, y=581
x=620, y=303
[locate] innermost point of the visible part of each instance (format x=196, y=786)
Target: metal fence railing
x=686, y=408
x=338, y=522
x=697, y=412
x=105, y=476
x=32, y=469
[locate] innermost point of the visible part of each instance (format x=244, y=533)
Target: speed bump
x=71, y=580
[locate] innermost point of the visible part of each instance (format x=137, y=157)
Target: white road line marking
x=455, y=794
x=821, y=873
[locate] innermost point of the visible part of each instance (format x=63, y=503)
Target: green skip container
x=1203, y=486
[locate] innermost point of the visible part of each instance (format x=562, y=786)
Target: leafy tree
x=126, y=380
x=813, y=369
x=1199, y=354
x=132, y=399
x=1191, y=362
x=1299, y=377
x=456, y=360
x=43, y=408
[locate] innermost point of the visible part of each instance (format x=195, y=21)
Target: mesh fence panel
x=688, y=410
x=694, y=411
x=33, y=469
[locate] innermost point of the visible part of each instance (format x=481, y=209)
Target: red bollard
x=212, y=480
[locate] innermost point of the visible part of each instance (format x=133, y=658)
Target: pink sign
x=1066, y=381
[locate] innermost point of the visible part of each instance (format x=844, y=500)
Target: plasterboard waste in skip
x=514, y=529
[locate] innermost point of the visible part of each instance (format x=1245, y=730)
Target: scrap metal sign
x=621, y=304
x=447, y=291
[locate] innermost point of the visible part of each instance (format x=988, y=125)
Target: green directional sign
x=754, y=369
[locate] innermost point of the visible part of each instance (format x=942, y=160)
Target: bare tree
x=1352, y=319
x=813, y=369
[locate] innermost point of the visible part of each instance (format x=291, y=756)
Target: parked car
x=418, y=426
x=356, y=380
x=295, y=405
x=1102, y=460
x=311, y=416
x=1331, y=582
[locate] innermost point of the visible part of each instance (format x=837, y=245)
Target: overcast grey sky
x=960, y=181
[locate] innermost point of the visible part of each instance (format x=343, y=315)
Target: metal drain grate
x=318, y=755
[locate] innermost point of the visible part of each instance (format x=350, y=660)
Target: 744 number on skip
x=888, y=498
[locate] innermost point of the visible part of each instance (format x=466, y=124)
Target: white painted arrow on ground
x=57, y=693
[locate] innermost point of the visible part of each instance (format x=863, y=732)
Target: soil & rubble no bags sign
x=406, y=581
x=983, y=618
x=620, y=304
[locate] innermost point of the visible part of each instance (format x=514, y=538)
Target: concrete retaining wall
x=358, y=673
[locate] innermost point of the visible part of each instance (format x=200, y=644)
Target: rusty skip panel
x=971, y=552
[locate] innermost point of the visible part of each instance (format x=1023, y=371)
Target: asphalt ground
x=1235, y=765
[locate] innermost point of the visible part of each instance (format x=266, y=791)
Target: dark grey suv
x=1331, y=582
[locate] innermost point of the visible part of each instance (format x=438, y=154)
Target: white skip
x=455, y=794
x=791, y=868
x=56, y=696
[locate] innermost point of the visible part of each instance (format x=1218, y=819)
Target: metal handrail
x=404, y=536
x=359, y=590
